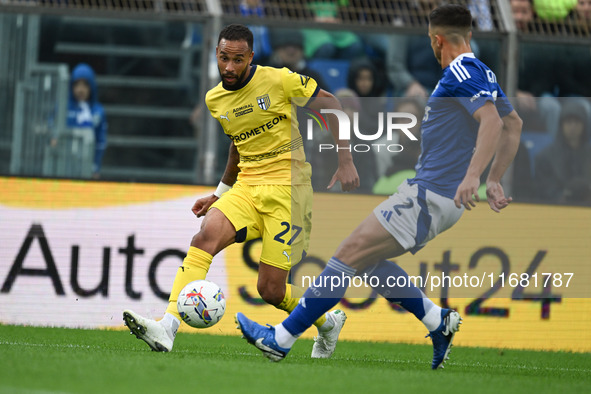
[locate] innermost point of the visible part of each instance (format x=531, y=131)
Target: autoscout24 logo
x=388, y=123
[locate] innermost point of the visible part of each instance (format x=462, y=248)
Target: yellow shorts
x=280, y=215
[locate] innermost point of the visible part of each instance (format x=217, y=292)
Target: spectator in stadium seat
x=481, y=12
x=262, y=41
x=411, y=68
x=523, y=14
x=86, y=121
x=579, y=20
x=330, y=44
x=555, y=17
x=583, y=10
x=563, y=170
x=288, y=51
x=365, y=79
x=369, y=85
x=553, y=10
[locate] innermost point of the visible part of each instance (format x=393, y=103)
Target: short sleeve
x=475, y=91
x=503, y=104
x=298, y=85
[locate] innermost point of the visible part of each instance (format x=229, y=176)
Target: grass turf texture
x=51, y=360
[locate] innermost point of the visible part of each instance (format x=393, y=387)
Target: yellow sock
x=195, y=267
x=291, y=301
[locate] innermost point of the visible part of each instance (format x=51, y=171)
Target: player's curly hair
x=236, y=32
x=451, y=15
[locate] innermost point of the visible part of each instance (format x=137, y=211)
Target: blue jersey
x=448, y=132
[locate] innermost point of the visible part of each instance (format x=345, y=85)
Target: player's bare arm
x=232, y=170
x=504, y=155
x=346, y=172
x=487, y=141
x=229, y=178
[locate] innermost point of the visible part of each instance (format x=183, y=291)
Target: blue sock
x=326, y=291
x=408, y=296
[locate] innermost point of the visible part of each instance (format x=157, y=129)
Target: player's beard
x=238, y=78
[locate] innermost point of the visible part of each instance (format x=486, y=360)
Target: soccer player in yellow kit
x=265, y=191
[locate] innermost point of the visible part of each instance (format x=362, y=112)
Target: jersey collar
x=246, y=81
x=463, y=55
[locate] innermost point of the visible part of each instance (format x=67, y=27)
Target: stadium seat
x=333, y=72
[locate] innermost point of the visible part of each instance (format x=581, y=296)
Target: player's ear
x=250, y=57
x=439, y=39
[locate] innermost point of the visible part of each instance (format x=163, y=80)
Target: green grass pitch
x=56, y=360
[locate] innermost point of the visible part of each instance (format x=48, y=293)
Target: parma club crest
x=264, y=102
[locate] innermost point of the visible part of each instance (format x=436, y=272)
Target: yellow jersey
x=257, y=116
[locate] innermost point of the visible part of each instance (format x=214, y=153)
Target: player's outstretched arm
x=228, y=179
x=346, y=172
x=504, y=155
x=489, y=133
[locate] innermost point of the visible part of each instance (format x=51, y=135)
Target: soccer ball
x=201, y=304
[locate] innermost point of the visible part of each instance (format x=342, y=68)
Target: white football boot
x=149, y=331
x=326, y=341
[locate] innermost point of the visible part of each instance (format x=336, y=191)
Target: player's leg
x=216, y=233
x=406, y=221
x=286, y=212
x=225, y=223
x=287, y=217
x=367, y=244
x=271, y=284
x=413, y=217
x=274, y=290
x=440, y=322
x=276, y=342
x=373, y=240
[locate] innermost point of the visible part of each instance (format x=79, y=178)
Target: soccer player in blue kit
x=468, y=121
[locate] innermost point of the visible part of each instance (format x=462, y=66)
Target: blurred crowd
x=374, y=73
x=532, y=15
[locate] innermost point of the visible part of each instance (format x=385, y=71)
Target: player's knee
x=271, y=293
x=210, y=241
x=216, y=232
x=198, y=239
